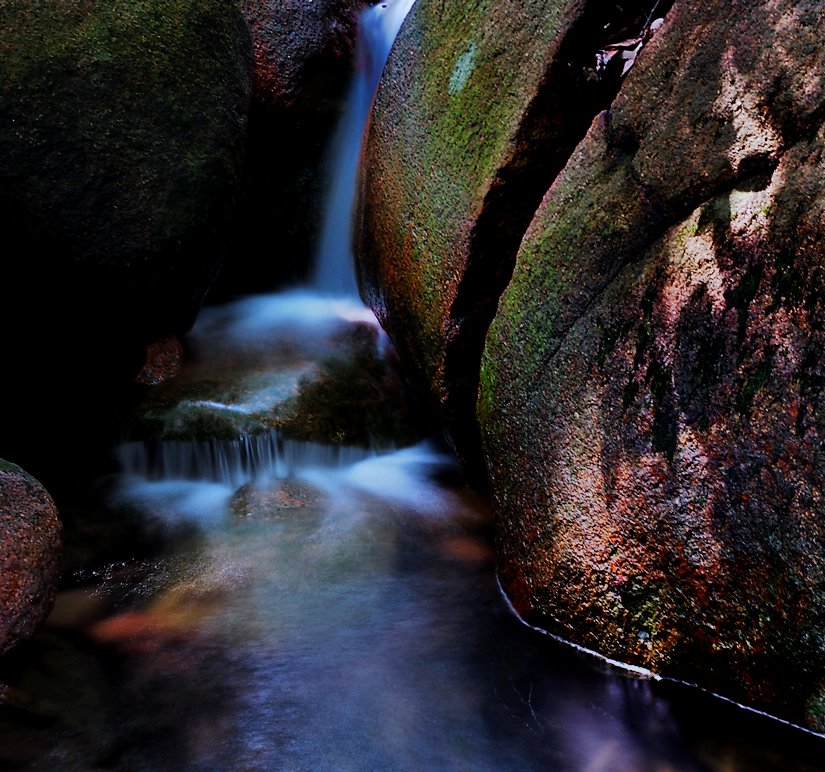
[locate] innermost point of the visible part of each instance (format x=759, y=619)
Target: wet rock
x=456, y=164
x=279, y=500
x=357, y=397
x=30, y=546
x=650, y=386
x=163, y=361
x=339, y=388
x=304, y=55
x=122, y=130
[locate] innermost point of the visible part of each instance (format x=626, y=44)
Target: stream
x=294, y=605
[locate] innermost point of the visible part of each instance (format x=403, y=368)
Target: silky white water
x=334, y=272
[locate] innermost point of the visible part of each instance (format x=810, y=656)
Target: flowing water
x=377, y=31
x=302, y=606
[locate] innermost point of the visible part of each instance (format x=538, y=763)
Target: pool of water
x=338, y=618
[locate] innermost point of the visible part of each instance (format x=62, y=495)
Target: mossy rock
x=651, y=384
x=122, y=131
x=479, y=106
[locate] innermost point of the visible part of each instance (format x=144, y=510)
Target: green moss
x=648, y=616
x=126, y=117
x=354, y=401
x=7, y=466
x=574, y=244
x=462, y=122
x=754, y=381
x=815, y=710
x=486, y=405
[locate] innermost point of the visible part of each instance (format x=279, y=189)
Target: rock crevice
x=507, y=161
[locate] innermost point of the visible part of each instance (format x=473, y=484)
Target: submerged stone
x=277, y=500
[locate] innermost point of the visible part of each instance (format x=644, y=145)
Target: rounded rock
x=30, y=550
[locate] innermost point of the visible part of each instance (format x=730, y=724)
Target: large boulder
x=304, y=53
x=30, y=547
x=479, y=107
x=122, y=131
x=651, y=385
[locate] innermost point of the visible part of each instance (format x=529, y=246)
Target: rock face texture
x=651, y=385
x=479, y=106
x=648, y=395
x=122, y=130
x=303, y=54
x=30, y=544
x=122, y=141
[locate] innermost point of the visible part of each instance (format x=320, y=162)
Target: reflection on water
x=338, y=619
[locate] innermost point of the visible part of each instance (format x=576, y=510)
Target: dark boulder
x=122, y=130
x=30, y=547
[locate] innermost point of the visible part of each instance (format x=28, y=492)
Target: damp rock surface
x=303, y=52
x=651, y=384
x=30, y=547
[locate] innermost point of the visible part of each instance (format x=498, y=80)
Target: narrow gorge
x=421, y=384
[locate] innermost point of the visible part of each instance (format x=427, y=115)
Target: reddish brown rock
x=303, y=52
x=651, y=385
x=163, y=361
x=30, y=547
x=479, y=106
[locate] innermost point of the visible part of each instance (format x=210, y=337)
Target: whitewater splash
x=250, y=457
x=334, y=265
x=196, y=479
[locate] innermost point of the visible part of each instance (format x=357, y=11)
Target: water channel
x=296, y=606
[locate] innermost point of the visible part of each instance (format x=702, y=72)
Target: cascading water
x=334, y=270
x=304, y=316
x=325, y=608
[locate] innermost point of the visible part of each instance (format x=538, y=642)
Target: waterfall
x=307, y=319
x=232, y=462
x=334, y=260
